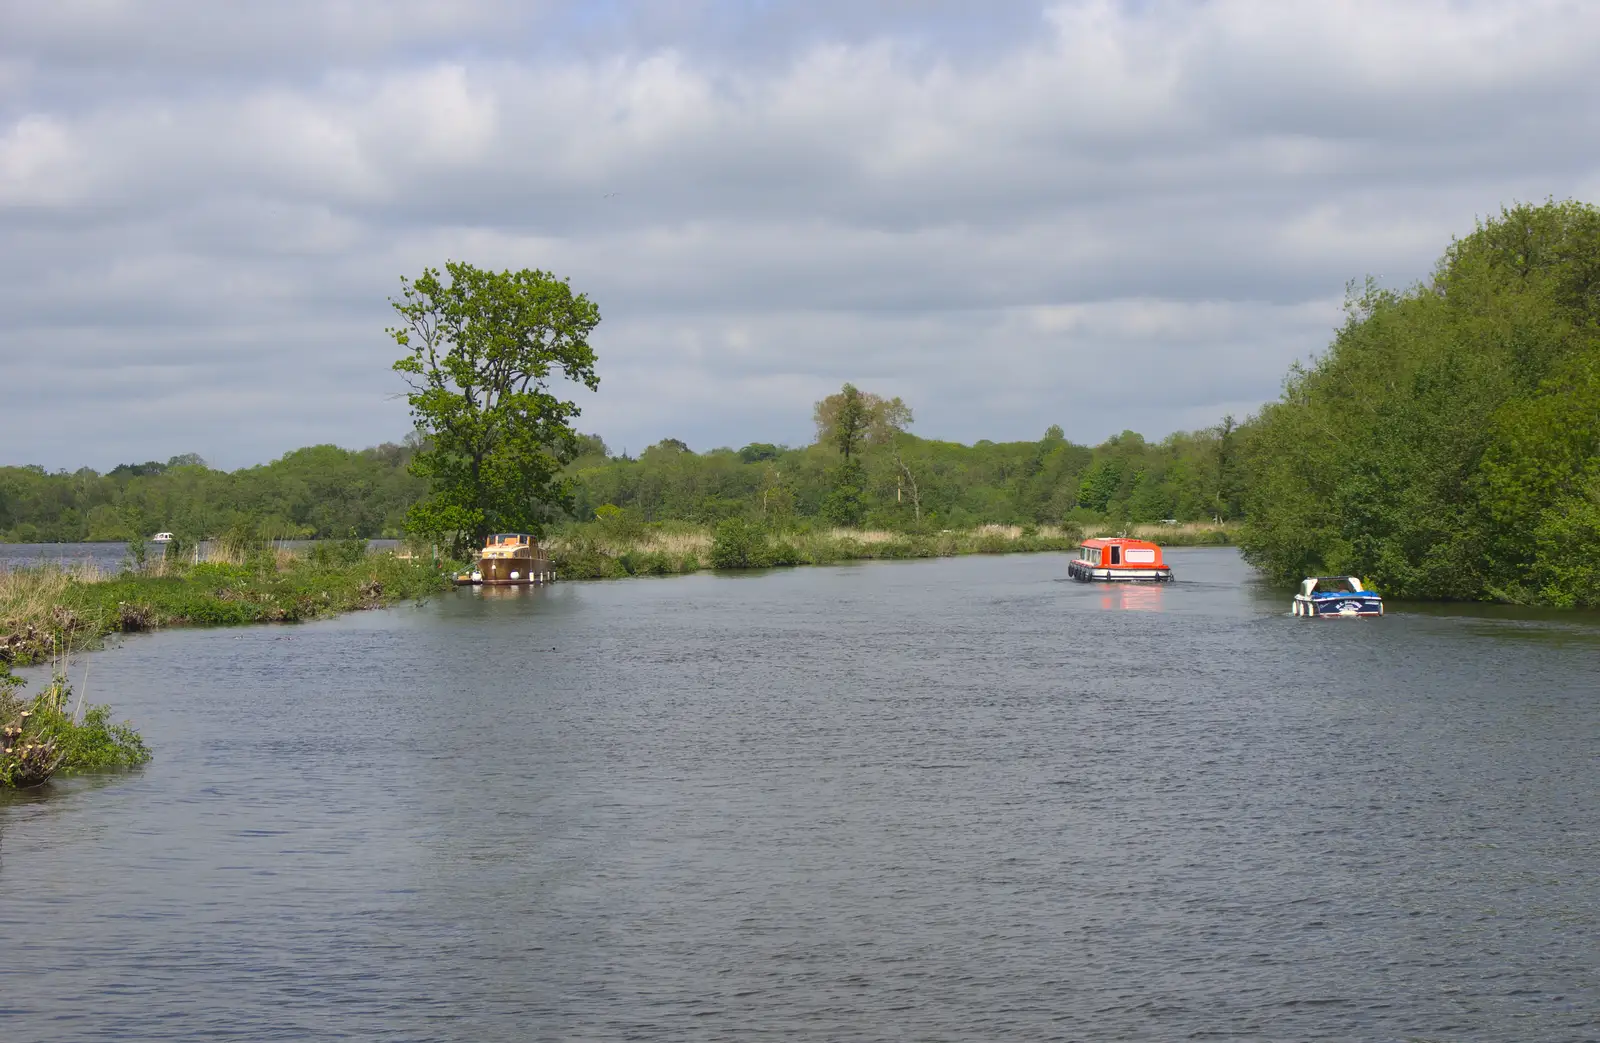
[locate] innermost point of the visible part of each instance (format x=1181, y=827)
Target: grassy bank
x=612, y=549
x=50, y=612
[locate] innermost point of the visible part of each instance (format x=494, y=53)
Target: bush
x=784, y=553
x=618, y=524
x=648, y=563
x=739, y=544
x=582, y=559
x=337, y=553
x=41, y=736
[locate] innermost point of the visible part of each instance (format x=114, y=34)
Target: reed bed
x=46, y=609
x=596, y=551
x=1180, y=534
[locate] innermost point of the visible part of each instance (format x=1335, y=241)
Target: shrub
x=784, y=553
x=739, y=544
x=618, y=524
x=41, y=736
x=583, y=560
x=334, y=553
x=647, y=563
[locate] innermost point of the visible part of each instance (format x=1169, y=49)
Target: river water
x=943, y=800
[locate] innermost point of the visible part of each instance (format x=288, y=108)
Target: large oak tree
x=481, y=350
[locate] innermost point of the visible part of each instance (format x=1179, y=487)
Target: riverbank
x=49, y=612
x=599, y=550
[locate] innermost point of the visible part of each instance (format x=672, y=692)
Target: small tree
x=904, y=479
x=852, y=421
x=481, y=348
x=777, y=500
x=844, y=505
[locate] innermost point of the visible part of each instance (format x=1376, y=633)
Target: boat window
x=1116, y=555
x=1139, y=556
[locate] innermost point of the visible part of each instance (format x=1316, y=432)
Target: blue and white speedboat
x=1335, y=597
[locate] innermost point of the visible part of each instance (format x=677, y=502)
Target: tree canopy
x=481, y=349
x=1447, y=445
x=852, y=417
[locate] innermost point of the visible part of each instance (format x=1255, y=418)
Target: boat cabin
x=1119, y=558
x=510, y=558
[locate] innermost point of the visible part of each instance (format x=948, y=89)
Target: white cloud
x=37, y=163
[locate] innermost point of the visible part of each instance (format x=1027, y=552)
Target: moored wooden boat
x=1119, y=559
x=510, y=559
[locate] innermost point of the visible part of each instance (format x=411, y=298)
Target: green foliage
x=46, y=735
x=740, y=544
x=339, y=553
x=618, y=523
x=481, y=348
x=912, y=484
x=755, y=452
x=844, y=504
x=1566, y=563
x=842, y=419
x=1446, y=443
x=581, y=552
x=321, y=491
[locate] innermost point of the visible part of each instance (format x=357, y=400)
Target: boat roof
x=1310, y=585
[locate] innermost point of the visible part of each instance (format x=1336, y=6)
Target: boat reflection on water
x=1134, y=597
x=507, y=591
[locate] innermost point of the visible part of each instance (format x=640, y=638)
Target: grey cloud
x=204, y=219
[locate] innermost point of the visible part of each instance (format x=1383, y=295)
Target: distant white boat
x=161, y=537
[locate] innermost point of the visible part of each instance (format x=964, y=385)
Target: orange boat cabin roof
x=1132, y=553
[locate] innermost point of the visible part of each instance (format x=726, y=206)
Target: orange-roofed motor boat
x=1119, y=559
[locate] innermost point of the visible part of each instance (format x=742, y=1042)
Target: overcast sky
x=1100, y=215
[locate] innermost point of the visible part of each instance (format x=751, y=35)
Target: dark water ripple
x=941, y=800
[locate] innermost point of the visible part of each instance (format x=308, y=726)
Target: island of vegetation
x=49, y=733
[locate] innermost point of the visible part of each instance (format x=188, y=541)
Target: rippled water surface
x=951, y=800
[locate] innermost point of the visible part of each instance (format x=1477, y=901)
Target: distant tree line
x=892, y=479
x=321, y=491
